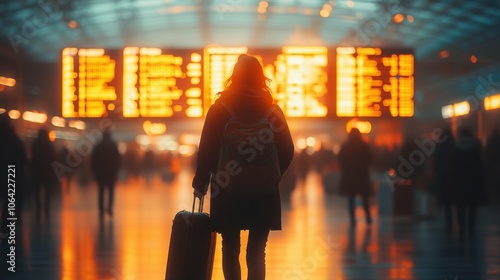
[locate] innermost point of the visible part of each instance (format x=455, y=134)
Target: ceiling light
x=10, y=82
x=398, y=18
x=324, y=13
x=73, y=24
x=262, y=7
x=444, y=54
x=14, y=114
x=34, y=117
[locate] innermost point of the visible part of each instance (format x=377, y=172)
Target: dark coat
x=442, y=167
x=43, y=155
x=105, y=161
x=492, y=156
x=468, y=173
x=12, y=152
x=227, y=211
x=354, y=159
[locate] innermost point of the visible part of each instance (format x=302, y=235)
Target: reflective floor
x=316, y=243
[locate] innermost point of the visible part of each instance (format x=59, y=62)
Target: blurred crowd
x=457, y=170
x=46, y=167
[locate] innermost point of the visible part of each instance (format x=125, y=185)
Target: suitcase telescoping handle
x=200, y=206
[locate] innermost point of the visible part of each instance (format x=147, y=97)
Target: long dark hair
x=247, y=73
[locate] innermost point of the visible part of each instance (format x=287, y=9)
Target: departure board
x=159, y=83
x=372, y=82
x=306, y=81
x=87, y=82
x=299, y=76
x=219, y=62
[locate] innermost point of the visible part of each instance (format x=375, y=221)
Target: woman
x=248, y=95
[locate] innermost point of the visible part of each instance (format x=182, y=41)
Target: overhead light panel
x=73, y=24
x=398, y=18
x=455, y=110
x=14, y=114
x=492, y=102
x=326, y=10
x=262, y=9
x=444, y=54
x=10, y=82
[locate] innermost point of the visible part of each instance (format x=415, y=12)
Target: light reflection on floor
x=316, y=243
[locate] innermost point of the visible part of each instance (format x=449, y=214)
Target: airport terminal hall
x=249, y=139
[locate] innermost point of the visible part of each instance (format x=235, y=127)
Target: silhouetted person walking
x=249, y=97
x=62, y=157
x=492, y=166
x=105, y=163
x=354, y=159
x=443, y=175
x=303, y=165
x=43, y=155
x=148, y=164
x=468, y=175
x=12, y=153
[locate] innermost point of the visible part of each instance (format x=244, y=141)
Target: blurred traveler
x=62, y=157
x=492, y=166
x=132, y=162
x=12, y=153
x=323, y=160
x=442, y=184
x=354, y=159
x=148, y=164
x=303, y=165
x=468, y=179
x=43, y=176
x=247, y=98
x=105, y=163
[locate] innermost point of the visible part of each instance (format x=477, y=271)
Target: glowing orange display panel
x=139, y=82
x=219, y=62
x=374, y=83
x=157, y=83
x=87, y=82
x=492, y=102
x=298, y=76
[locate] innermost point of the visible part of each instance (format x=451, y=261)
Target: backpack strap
x=230, y=110
x=233, y=114
x=269, y=111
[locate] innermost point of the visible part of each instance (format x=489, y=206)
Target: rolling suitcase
x=192, y=246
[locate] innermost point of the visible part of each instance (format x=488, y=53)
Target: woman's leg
x=448, y=216
x=461, y=218
x=471, y=223
x=231, y=254
x=351, y=207
x=366, y=207
x=47, y=196
x=111, y=196
x=100, y=198
x=256, y=254
x=38, y=197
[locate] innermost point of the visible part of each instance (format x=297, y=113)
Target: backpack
x=248, y=163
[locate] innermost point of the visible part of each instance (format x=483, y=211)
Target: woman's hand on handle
x=198, y=194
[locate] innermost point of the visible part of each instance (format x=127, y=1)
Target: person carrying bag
x=245, y=148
